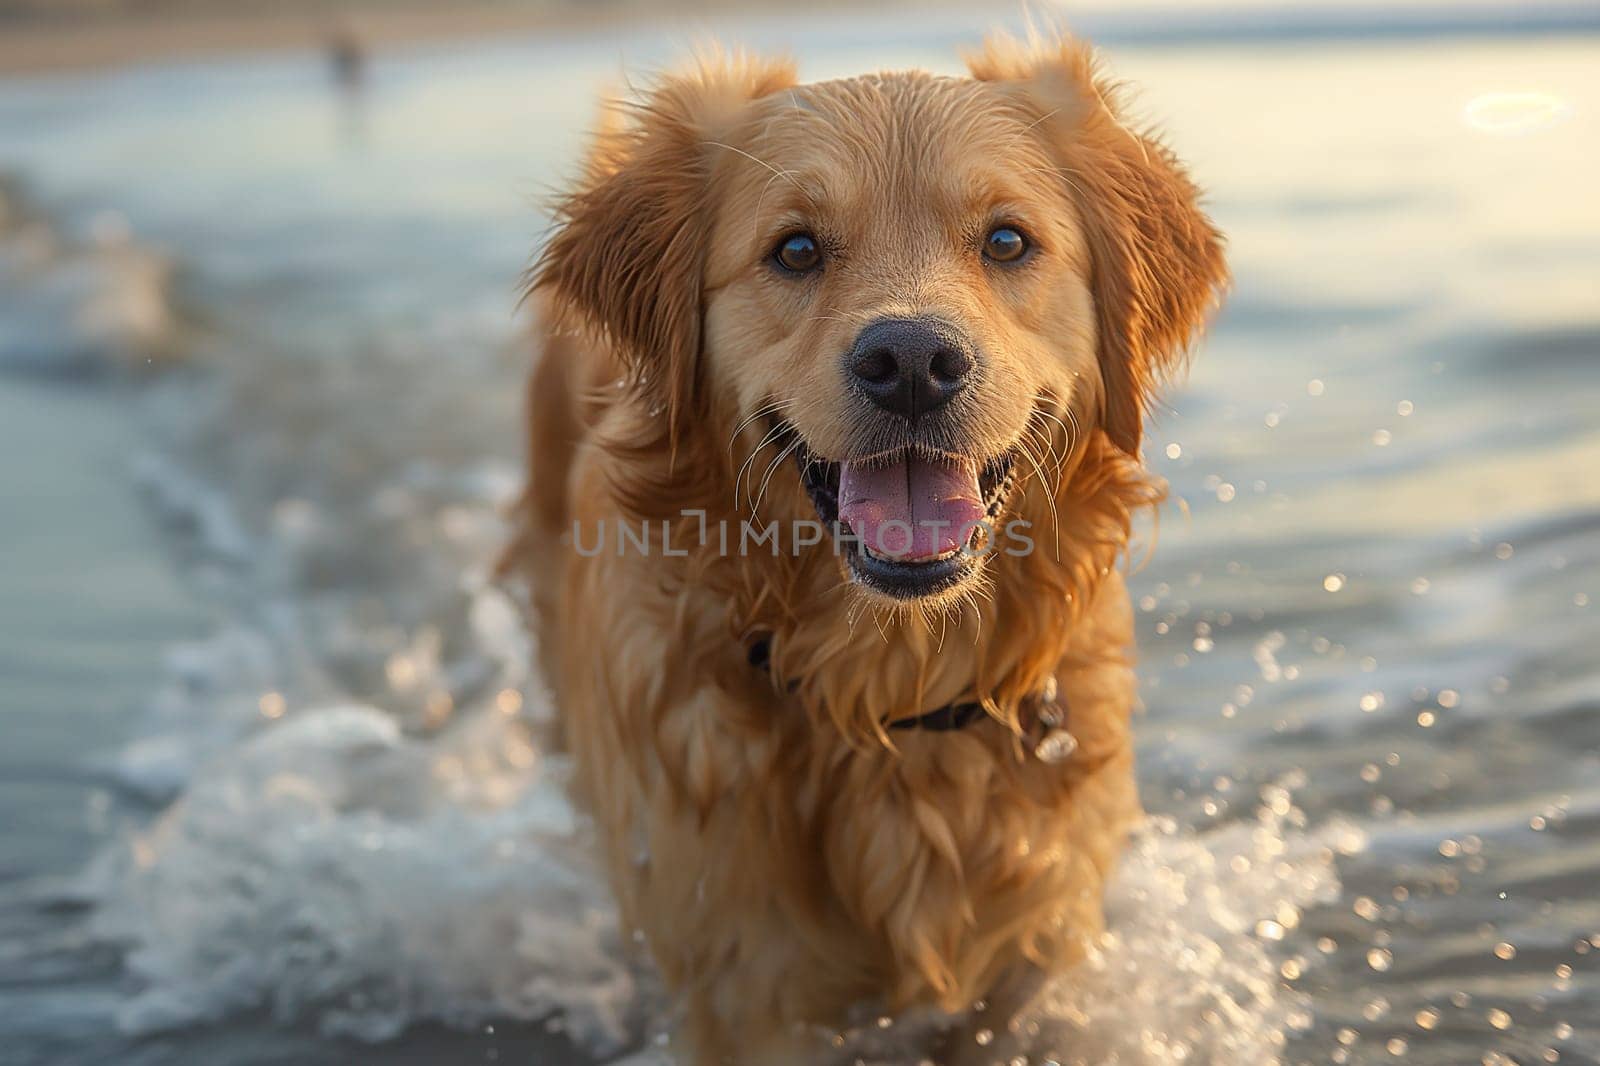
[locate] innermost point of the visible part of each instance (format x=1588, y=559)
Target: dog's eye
x=798, y=253
x=1004, y=245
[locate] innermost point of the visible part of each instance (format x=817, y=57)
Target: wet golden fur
x=783, y=854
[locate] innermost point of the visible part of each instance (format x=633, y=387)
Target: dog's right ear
x=630, y=244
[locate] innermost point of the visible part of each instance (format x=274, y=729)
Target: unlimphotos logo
x=692, y=532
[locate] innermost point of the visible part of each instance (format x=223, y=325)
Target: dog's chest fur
x=781, y=861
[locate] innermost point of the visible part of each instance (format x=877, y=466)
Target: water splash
x=334, y=870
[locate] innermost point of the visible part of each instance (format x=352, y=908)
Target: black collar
x=944, y=719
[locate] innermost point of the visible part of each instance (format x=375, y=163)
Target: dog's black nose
x=910, y=366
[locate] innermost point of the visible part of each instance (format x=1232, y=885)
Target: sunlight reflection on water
x=1515, y=112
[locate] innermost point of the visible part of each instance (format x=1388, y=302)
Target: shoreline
x=34, y=45
x=44, y=45
x=104, y=35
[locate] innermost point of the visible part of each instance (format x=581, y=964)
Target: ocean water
x=276, y=787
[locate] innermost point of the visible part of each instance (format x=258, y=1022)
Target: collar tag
x=1055, y=746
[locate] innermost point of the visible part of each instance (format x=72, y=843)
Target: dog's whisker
x=877, y=621
x=972, y=596
x=1073, y=433
x=1048, y=438
x=1059, y=172
x=1047, y=116
x=1077, y=430
x=1053, y=485
x=776, y=173
x=755, y=219
x=1046, y=402
x=1050, y=496
x=771, y=408
x=853, y=615
x=773, y=434
x=766, y=478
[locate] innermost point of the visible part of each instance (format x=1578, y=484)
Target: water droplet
x=1506, y=951
x=1396, y=1046
x=1380, y=959
x=1404, y=408
x=1333, y=582
x=984, y=1037
x=1174, y=451
x=1315, y=387
x=1382, y=438
x=1499, y=1018
x=1427, y=1018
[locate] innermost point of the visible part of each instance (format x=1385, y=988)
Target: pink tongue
x=910, y=509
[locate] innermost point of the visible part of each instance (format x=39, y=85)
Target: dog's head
x=923, y=288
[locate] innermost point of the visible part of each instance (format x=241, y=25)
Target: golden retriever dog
x=835, y=444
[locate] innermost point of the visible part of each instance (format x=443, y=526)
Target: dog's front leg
x=999, y=1031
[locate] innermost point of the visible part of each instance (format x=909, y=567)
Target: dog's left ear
x=630, y=244
x=1156, y=258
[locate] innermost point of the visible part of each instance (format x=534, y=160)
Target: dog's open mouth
x=910, y=524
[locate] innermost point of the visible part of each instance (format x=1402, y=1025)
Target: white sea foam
x=1189, y=969
x=332, y=868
